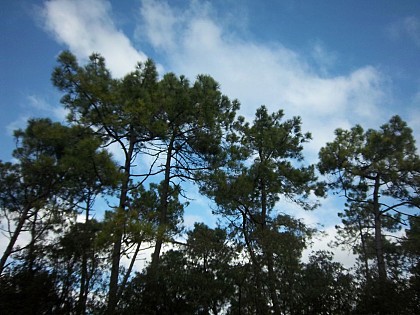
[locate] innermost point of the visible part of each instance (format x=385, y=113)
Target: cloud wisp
x=86, y=27
x=39, y=105
x=194, y=41
x=409, y=27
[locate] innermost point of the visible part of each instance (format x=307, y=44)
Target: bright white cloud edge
x=87, y=27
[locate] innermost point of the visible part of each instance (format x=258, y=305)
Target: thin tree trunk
x=271, y=282
x=152, y=276
x=116, y=256
x=163, y=209
x=116, y=252
x=81, y=305
x=378, y=234
x=127, y=274
x=383, y=302
x=13, y=239
x=268, y=252
x=256, y=269
x=364, y=250
x=30, y=258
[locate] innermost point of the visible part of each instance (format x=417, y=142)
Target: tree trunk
x=364, y=251
x=30, y=257
x=152, y=285
x=268, y=253
x=13, y=239
x=271, y=282
x=378, y=234
x=116, y=251
x=163, y=208
x=81, y=304
x=116, y=256
x=127, y=274
x=259, y=297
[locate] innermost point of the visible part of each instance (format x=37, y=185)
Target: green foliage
x=24, y=292
x=191, y=280
x=168, y=119
x=56, y=166
x=331, y=289
x=247, y=191
x=169, y=131
x=411, y=246
x=357, y=157
x=378, y=171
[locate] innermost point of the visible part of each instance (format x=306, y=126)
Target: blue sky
x=334, y=63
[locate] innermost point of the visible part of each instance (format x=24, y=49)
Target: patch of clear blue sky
x=27, y=57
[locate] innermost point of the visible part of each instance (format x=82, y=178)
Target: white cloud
x=194, y=41
x=22, y=241
x=19, y=123
x=142, y=259
x=36, y=106
x=344, y=256
x=408, y=27
x=86, y=26
x=40, y=104
x=158, y=25
x=268, y=74
x=323, y=58
x=191, y=219
x=324, y=219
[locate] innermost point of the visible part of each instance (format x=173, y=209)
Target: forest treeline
x=62, y=257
